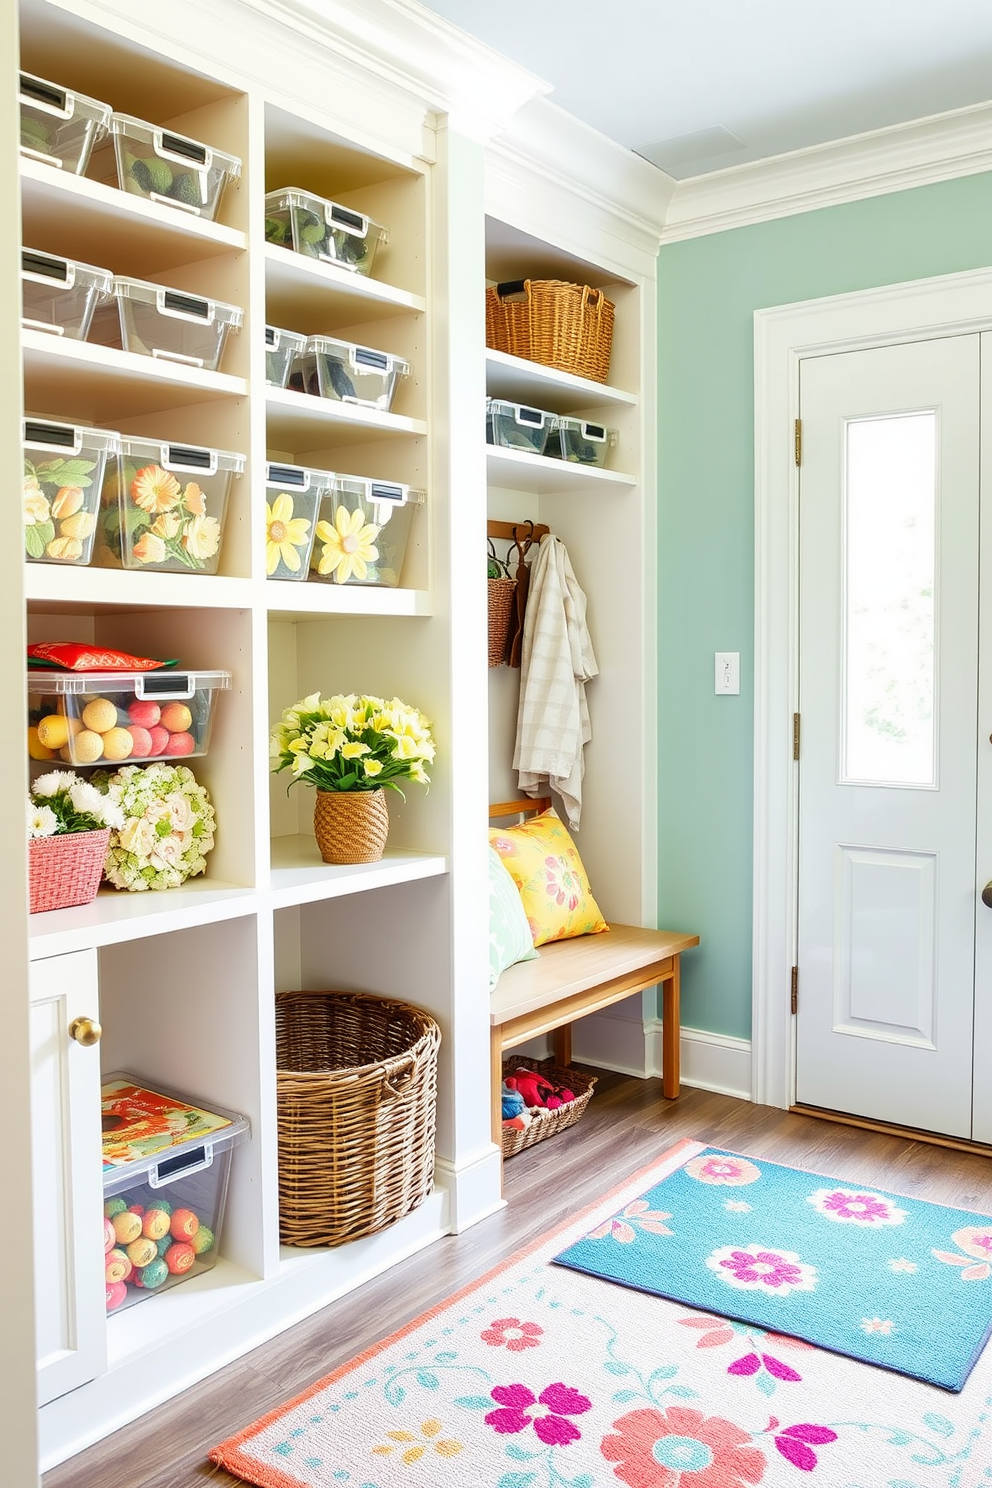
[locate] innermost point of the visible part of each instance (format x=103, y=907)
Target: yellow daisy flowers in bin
x=293, y=494
x=363, y=532
x=349, y=546
x=285, y=536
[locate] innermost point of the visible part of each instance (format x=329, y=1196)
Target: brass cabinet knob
x=86, y=1031
x=987, y=896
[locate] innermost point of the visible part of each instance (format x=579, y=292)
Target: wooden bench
x=572, y=978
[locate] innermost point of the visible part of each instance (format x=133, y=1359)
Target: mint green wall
x=708, y=290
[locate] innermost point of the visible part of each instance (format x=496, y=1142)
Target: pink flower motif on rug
x=976, y=1242
x=645, y=1218
x=512, y=1334
x=681, y=1448
x=755, y=1268
x=716, y=1331
x=516, y=1412
x=849, y=1206
x=724, y=1170
x=796, y=1442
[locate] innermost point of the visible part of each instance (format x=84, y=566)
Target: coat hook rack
x=523, y=532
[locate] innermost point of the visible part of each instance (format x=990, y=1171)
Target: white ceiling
x=697, y=85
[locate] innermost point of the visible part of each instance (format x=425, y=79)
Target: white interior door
x=889, y=615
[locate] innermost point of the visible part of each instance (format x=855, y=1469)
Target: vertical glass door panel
x=890, y=566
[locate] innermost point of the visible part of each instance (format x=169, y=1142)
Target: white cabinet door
x=68, y=1187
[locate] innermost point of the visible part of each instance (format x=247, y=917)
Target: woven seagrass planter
x=66, y=869
x=356, y=1094
x=351, y=826
x=548, y=1123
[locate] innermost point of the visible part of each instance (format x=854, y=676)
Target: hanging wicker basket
x=356, y=1095
x=543, y=1123
x=502, y=601
x=567, y=326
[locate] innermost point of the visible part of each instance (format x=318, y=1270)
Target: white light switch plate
x=727, y=673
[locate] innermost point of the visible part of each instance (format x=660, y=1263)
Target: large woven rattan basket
x=568, y=326
x=548, y=1123
x=356, y=1091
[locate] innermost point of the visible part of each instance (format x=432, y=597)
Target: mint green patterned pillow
x=509, y=933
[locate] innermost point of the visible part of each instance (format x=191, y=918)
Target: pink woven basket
x=66, y=869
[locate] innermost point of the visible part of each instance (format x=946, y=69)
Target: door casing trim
x=952, y=304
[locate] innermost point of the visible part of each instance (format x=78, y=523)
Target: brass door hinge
x=799, y=441
x=796, y=724
x=794, y=1002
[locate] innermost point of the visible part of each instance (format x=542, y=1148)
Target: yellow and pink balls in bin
x=105, y=732
x=143, y=1247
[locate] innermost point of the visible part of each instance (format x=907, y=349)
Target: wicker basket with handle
x=548, y=1123
x=562, y=325
x=356, y=1097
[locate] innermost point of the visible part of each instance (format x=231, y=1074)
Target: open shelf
x=522, y=381
x=115, y=916
x=299, y=876
x=302, y=421
x=294, y=599
x=72, y=214
x=63, y=586
x=99, y=382
x=292, y=280
x=516, y=470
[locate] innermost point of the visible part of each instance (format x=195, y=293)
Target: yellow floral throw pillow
x=545, y=866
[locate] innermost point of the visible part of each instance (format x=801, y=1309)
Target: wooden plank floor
x=626, y=1125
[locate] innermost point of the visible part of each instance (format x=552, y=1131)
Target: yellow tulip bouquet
x=352, y=743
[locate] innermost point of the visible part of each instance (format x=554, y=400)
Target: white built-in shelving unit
x=386, y=109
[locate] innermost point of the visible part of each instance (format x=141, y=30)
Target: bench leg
x=496, y=1077
x=561, y=1045
x=670, y=1034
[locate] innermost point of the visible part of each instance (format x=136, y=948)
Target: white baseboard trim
x=710, y=1061
x=473, y=1188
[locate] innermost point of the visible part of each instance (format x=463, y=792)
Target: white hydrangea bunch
x=62, y=802
x=167, y=827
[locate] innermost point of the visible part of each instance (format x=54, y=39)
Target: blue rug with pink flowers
x=892, y=1281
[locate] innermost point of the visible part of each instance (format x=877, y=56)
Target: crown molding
x=391, y=66
x=939, y=148
x=553, y=169
x=405, y=44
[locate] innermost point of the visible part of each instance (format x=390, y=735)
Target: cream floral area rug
x=538, y=1376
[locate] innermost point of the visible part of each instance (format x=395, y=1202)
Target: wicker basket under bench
x=572, y=978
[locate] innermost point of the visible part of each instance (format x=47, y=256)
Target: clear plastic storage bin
x=322, y=229
x=58, y=126
x=581, y=442
x=166, y=323
x=515, y=426
x=280, y=349
x=170, y=168
x=100, y=718
x=60, y=295
x=363, y=531
x=164, y=506
x=166, y=1167
x=64, y=473
x=293, y=494
x=348, y=373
